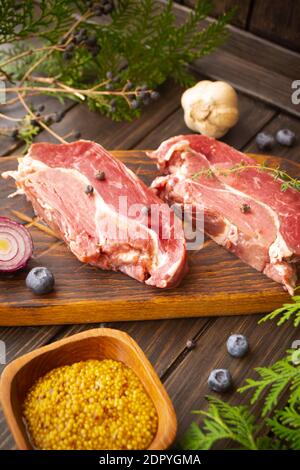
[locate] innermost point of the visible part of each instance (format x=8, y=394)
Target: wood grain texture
x=221, y=6
x=252, y=65
x=99, y=344
x=111, y=134
x=217, y=282
x=267, y=344
x=253, y=116
x=52, y=106
x=277, y=20
x=282, y=121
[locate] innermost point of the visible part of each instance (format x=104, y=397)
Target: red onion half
x=15, y=245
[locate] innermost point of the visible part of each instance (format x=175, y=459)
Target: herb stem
x=287, y=180
x=33, y=116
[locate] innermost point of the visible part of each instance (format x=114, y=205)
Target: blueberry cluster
x=81, y=38
x=220, y=380
x=103, y=7
x=266, y=141
x=143, y=96
x=137, y=96
x=46, y=118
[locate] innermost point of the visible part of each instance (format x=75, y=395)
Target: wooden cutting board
x=218, y=283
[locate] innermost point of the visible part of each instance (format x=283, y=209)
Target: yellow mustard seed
x=90, y=405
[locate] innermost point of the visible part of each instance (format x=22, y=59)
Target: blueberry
x=95, y=50
x=91, y=42
x=265, y=141
x=82, y=32
x=143, y=95
x=109, y=75
x=67, y=55
x=40, y=280
x=154, y=95
x=109, y=86
x=134, y=104
x=108, y=9
x=128, y=86
x=70, y=47
x=220, y=380
x=286, y=137
x=237, y=345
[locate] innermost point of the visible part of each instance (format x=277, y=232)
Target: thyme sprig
x=278, y=174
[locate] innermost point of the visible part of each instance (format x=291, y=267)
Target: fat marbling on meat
x=106, y=221
x=245, y=211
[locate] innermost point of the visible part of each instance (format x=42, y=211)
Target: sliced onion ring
x=15, y=245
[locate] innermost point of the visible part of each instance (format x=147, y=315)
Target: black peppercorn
x=89, y=189
x=245, y=208
x=100, y=176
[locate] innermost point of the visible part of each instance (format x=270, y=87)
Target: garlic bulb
x=210, y=108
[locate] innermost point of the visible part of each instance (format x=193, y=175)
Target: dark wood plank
x=252, y=48
x=20, y=341
x=277, y=20
x=253, y=66
x=282, y=121
x=268, y=342
x=119, y=135
x=52, y=106
x=163, y=340
x=253, y=116
x=221, y=6
x=254, y=80
x=187, y=384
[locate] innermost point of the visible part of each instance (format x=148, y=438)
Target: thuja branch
x=76, y=91
x=137, y=47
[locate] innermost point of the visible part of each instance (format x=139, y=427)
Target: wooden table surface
x=262, y=73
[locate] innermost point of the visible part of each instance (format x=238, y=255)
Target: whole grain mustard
x=90, y=405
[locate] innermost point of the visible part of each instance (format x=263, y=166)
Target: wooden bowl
x=100, y=343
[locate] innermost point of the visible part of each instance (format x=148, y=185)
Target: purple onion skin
x=22, y=232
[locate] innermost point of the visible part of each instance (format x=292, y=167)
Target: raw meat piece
x=245, y=211
x=104, y=220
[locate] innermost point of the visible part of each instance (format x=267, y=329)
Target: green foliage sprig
x=137, y=43
x=238, y=424
x=289, y=311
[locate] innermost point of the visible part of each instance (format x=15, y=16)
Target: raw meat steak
x=103, y=211
x=244, y=211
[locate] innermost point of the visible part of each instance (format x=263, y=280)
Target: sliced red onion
x=15, y=245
